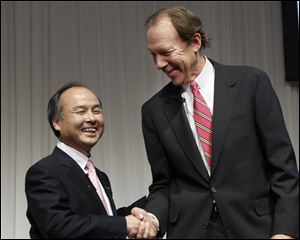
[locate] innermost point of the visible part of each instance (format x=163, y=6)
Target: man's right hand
x=148, y=226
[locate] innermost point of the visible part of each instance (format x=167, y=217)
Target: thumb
x=138, y=213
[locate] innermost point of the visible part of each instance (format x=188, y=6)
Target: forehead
x=162, y=26
x=78, y=95
x=161, y=33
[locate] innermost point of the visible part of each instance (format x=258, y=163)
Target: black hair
x=54, y=107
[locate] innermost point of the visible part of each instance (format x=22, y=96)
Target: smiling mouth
x=171, y=74
x=90, y=130
x=171, y=71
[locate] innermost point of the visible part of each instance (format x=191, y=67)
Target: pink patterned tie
x=203, y=122
x=95, y=181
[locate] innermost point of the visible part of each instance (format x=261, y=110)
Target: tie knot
x=90, y=165
x=194, y=86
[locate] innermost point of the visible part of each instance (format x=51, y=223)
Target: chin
x=91, y=142
x=94, y=141
x=89, y=145
x=177, y=82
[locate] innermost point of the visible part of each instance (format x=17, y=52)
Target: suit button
x=213, y=189
x=205, y=225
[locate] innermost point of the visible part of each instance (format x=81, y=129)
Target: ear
x=56, y=124
x=196, y=42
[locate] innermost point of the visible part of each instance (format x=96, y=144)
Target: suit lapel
x=224, y=102
x=107, y=189
x=79, y=178
x=87, y=187
x=174, y=111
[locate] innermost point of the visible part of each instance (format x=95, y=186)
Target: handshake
x=140, y=224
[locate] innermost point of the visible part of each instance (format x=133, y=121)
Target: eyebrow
x=162, y=50
x=84, y=106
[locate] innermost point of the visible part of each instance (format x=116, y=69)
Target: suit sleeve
x=158, y=200
x=50, y=213
x=140, y=203
x=283, y=172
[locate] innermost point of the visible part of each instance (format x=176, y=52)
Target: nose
x=160, y=62
x=90, y=116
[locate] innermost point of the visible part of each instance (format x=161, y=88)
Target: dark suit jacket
x=62, y=202
x=254, y=178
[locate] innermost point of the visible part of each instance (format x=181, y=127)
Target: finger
x=141, y=230
x=152, y=232
x=147, y=230
x=133, y=232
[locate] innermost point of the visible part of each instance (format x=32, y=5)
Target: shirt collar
x=77, y=156
x=201, y=78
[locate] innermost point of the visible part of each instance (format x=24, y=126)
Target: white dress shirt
x=205, y=80
x=81, y=160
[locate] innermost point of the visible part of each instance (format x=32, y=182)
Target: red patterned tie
x=95, y=181
x=203, y=122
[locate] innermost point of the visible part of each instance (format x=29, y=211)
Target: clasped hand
x=141, y=224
